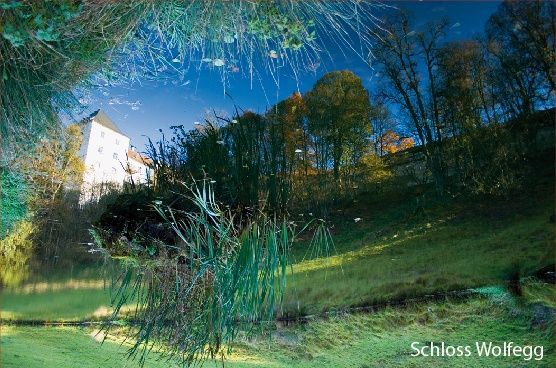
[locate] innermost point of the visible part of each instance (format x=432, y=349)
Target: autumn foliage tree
x=56, y=166
x=391, y=142
x=50, y=178
x=339, y=120
x=288, y=147
x=305, y=151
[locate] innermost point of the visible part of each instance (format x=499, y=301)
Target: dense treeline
x=455, y=98
x=304, y=152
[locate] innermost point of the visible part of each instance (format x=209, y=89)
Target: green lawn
x=384, y=339
x=67, y=294
x=59, y=347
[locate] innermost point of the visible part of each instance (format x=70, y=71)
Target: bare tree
x=409, y=59
x=521, y=42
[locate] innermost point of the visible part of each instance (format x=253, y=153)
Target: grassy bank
x=384, y=339
x=67, y=304
x=381, y=339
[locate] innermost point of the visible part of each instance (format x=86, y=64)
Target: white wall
x=140, y=173
x=104, y=154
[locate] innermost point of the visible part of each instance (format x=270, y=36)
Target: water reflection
x=66, y=284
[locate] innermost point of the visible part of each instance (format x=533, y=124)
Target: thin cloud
x=135, y=105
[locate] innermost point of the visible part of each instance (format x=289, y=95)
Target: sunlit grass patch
x=42, y=287
x=68, y=305
x=62, y=347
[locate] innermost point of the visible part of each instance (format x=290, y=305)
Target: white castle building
x=109, y=160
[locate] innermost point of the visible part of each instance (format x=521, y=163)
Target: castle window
x=117, y=142
x=100, y=149
x=115, y=156
x=102, y=134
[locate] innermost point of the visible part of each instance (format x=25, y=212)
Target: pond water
x=60, y=288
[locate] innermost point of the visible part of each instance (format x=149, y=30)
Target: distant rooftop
x=100, y=117
x=136, y=156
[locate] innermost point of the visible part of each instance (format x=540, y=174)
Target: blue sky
x=142, y=109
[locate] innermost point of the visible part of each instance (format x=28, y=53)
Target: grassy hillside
x=395, y=253
x=392, y=254
x=67, y=293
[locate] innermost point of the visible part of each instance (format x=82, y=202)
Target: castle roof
x=100, y=117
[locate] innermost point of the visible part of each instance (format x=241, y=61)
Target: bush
x=15, y=251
